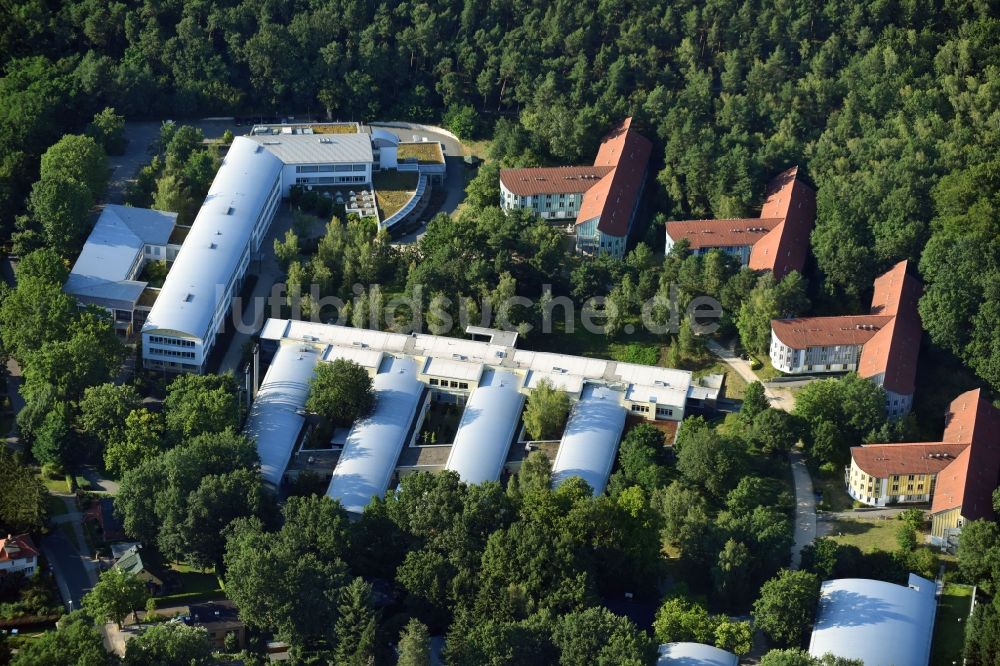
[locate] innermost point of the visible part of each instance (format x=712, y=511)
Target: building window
x=463, y=385
x=434, y=382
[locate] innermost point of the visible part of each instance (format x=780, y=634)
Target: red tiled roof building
x=956, y=475
x=881, y=346
x=777, y=241
x=603, y=199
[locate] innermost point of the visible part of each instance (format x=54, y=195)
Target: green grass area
x=949, y=624
x=195, y=585
x=336, y=128
x=635, y=352
x=55, y=506
x=440, y=424
x=735, y=386
x=766, y=372
x=392, y=190
x=867, y=535
x=55, y=485
x=835, y=497
x=425, y=152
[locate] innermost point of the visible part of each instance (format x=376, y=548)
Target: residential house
x=132, y=562
x=603, y=199
x=776, y=241
x=956, y=475
x=219, y=619
x=18, y=555
x=882, y=346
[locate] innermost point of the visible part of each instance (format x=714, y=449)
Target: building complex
x=108, y=272
x=209, y=269
x=875, y=622
x=777, y=241
x=487, y=380
x=694, y=654
x=881, y=346
x=956, y=475
x=603, y=199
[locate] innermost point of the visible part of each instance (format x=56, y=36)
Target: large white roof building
x=694, y=654
x=209, y=269
x=882, y=624
x=490, y=380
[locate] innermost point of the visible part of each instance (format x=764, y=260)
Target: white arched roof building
x=590, y=441
x=373, y=446
x=694, y=654
x=275, y=418
x=487, y=428
x=192, y=305
x=882, y=624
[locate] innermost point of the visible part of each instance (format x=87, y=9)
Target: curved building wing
x=487, y=428
x=275, y=418
x=196, y=295
x=590, y=441
x=374, y=443
x=694, y=654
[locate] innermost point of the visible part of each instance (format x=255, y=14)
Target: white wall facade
x=325, y=174
x=831, y=358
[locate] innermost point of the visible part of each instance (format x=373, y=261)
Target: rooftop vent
x=188, y=298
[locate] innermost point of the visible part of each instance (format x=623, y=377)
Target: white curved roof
x=211, y=253
x=374, y=443
x=694, y=654
x=274, y=421
x=385, y=135
x=590, y=440
x=880, y=623
x=487, y=427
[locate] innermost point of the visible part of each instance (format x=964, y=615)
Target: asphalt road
x=67, y=564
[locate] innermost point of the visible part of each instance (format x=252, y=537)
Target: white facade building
x=208, y=272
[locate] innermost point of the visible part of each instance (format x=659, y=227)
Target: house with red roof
x=956, y=475
x=602, y=199
x=777, y=241
x=18, y=555
x=882, y=345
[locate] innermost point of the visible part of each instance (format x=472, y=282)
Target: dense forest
x=890, y=107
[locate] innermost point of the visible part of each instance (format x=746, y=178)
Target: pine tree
x=356, y=626
x=414, y=645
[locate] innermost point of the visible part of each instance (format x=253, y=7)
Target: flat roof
x=880, y=623
x=487, y=428
x=647, y=383
x=452, y=369
x=318, y=148
x=590, y=440
x=274, y=421
x=213, y=249
x=112, y=249
x=694, y=654
x=375, y=442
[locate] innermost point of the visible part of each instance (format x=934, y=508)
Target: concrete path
x=14, y=380
x=780, y=398
x=805, y=508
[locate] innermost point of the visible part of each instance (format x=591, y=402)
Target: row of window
x=449, y=383
x=171, y=352
x=329, y=167
x=331, y=180
x=159, y=340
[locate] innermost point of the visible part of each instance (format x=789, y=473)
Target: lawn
x=949, y=624
x=867, y=535
x=195, y=585
x=55, y=506
x=55, y=485
x=766, y=372
x=425, y=152
x=392, y=190
x=735, y=386
x=835, y=497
